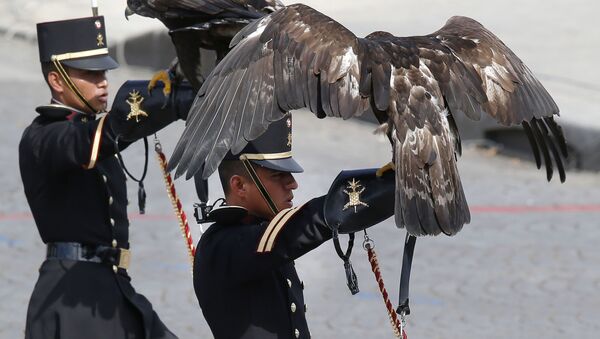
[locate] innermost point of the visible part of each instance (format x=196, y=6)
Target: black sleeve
x=249, y=251
x=158, y=111
x=64, y=145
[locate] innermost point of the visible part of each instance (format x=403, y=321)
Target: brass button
x=112, y=221
x=297, y=333
x=114, y=243
x=115, y=268
x=104, y=178
x=293, y=307
x=289, y=283
x=110, y=200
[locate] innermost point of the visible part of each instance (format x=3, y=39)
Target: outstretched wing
x=298, y=57
x=514, y=95
x=294, y=58
x=460, y=68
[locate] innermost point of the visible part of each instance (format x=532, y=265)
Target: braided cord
x=396, y=325
x=177, y=206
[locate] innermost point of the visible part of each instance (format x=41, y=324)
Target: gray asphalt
x=526, y=266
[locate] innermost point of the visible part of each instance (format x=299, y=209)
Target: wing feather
x=552, y=145
x=541, y=141
x=534, y=145
x=558, y=135
x=221, y=128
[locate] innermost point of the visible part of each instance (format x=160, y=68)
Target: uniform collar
x=58, y=110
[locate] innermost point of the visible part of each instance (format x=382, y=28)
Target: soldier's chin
x=100, y=106
x=286, y=204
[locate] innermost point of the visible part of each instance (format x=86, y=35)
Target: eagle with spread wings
x=298, y=57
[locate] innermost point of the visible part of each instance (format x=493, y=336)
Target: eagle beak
x=128, y=12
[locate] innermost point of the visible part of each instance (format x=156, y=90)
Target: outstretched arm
x=136, y=113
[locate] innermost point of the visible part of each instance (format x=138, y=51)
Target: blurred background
x=526, y=266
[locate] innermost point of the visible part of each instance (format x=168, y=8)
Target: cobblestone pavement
x=526, y=266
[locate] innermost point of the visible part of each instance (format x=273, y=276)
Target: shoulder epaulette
x=54, y=111
x=267, y=241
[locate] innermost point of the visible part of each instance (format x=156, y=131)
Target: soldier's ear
x=56, y=82
x=237, y=185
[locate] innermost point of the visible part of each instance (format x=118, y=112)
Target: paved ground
x=526, y=266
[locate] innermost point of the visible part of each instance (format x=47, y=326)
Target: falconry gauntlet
x=359, y=199
x=137, y=112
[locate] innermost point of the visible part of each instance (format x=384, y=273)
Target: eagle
x=195, y=24
x=299, y=58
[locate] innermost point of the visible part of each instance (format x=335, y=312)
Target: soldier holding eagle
x=294, y=57
x=297, y=57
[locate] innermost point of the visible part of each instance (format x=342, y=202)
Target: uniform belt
x=118, y=257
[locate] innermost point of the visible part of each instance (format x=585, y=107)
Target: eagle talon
x=165, y=77
x=387, y=167
x=166, y=102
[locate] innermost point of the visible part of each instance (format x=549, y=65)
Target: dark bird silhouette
x=195, y=24
x=297, y=57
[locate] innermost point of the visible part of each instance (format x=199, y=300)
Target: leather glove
x=135, y=113
x=358, y=199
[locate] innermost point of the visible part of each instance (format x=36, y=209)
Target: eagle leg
x=168, y=77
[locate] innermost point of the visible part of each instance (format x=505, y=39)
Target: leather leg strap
x=409, y=249
x=351, y=279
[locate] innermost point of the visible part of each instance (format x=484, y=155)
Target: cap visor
x=94, y=63
x=284, y=165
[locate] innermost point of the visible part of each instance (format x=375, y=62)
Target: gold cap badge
x=100, y=39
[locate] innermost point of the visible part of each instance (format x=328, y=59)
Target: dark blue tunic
x=244, y=274
x=75, y=299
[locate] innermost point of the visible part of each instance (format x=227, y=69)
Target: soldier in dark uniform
x=244, y=275
x=76, y=188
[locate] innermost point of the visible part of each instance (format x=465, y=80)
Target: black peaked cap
x=273, y=149
x=78, y=43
